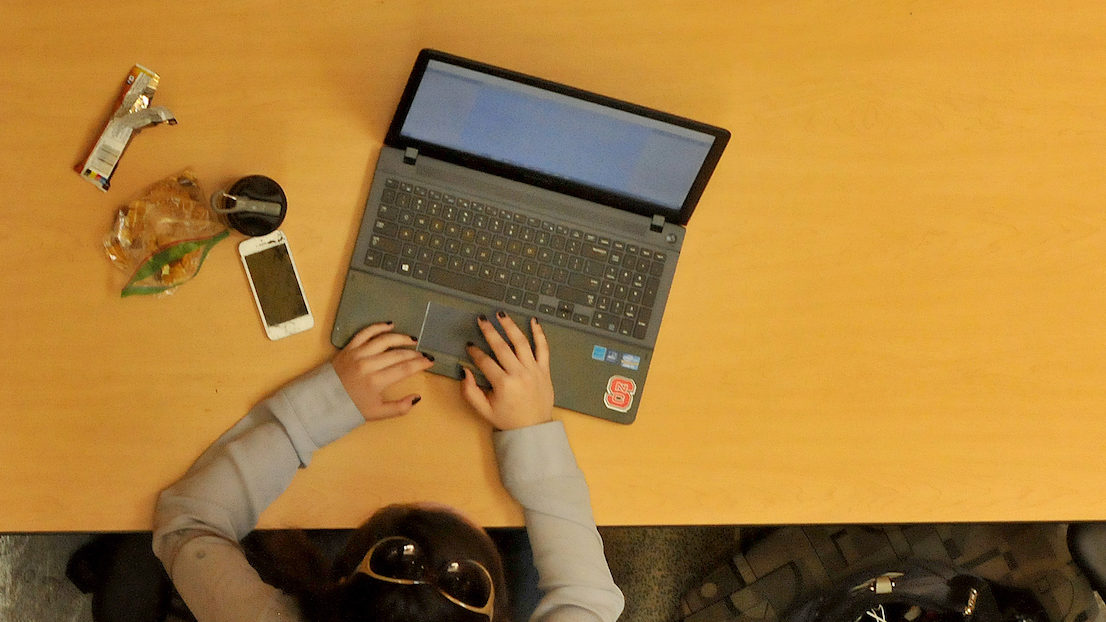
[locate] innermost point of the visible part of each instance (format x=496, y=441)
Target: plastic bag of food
x=163, y=237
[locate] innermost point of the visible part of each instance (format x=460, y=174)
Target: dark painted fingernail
x=460, y=372
x=414, y=338
x=389, y=323
x=428, y=357
x=482, y=317
x=501, y=314
x=418, y=398
x=469, y=344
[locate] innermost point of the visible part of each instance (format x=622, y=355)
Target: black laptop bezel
x=395, y=139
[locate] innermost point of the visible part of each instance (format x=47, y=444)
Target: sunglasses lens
x=398, y=558
x=467, y=582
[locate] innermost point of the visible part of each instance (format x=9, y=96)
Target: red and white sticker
x=620, y=394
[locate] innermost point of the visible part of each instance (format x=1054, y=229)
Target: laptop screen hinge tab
x=657, y=224
x=410, y=155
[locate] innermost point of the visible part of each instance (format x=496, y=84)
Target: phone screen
x=274, y=280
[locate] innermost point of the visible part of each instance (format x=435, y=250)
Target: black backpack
x=917, y=573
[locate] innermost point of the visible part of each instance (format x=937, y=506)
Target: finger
x=502, y=351
x=384, y=342
x=486, y=364
x=384, y=360
x=518, y=338
x=396, y=408
x=474, y=395
x=401, y=371
x=367, y=333
x=541, y=344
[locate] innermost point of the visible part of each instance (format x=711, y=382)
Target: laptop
x=496, y=190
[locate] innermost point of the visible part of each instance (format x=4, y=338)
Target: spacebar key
x=465, y=283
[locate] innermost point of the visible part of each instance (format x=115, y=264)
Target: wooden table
x=891, y=304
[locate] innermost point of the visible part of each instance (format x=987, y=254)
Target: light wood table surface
x=891, y=304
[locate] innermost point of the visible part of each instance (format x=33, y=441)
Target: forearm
x=539, y=470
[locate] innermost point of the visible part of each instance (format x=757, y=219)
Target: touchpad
x=446, y=330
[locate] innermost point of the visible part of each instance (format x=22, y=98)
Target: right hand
x=522, y=389
x=373, y=361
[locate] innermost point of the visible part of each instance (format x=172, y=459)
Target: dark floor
x=654, y=566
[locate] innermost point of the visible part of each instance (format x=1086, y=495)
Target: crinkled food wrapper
x=163, y=237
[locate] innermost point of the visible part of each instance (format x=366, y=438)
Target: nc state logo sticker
x=620, y=394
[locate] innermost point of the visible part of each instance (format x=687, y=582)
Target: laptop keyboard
x=548, y=268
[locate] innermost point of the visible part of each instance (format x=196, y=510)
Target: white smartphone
x=275, y=285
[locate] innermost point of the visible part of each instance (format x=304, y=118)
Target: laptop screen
x=561, y=138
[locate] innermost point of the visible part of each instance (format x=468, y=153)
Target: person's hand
x=522, y=390
x=373, y=361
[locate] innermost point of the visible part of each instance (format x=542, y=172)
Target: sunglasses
x=465, y=583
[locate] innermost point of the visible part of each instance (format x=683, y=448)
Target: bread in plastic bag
x=163, y=237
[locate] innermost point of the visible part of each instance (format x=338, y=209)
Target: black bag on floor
x=918, y=573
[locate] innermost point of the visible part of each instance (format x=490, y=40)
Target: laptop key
x=584, y=282
x=386, y=245
x=606, y=321
x=594, y=269
x=651, y=287
x=576, y=296
x=596, y=252
x=373, y=259
x=385, y=228
x=467, y=284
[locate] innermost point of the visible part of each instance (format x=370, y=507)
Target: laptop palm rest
x=586, y=368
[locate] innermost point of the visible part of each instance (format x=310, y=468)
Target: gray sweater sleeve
x=251, y=464
x=538, y=468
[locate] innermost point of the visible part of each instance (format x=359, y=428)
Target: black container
x=259, y=188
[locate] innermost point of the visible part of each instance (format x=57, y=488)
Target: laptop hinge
x=410, y=155
x=657, y=224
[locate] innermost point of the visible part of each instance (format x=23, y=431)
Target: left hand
x=375, y=360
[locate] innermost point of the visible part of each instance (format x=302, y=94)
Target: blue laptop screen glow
x=556, y=135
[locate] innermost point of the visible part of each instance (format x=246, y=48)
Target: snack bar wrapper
x=133, y=113
x=163, y=237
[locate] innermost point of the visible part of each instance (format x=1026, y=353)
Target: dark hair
x=333, y=592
